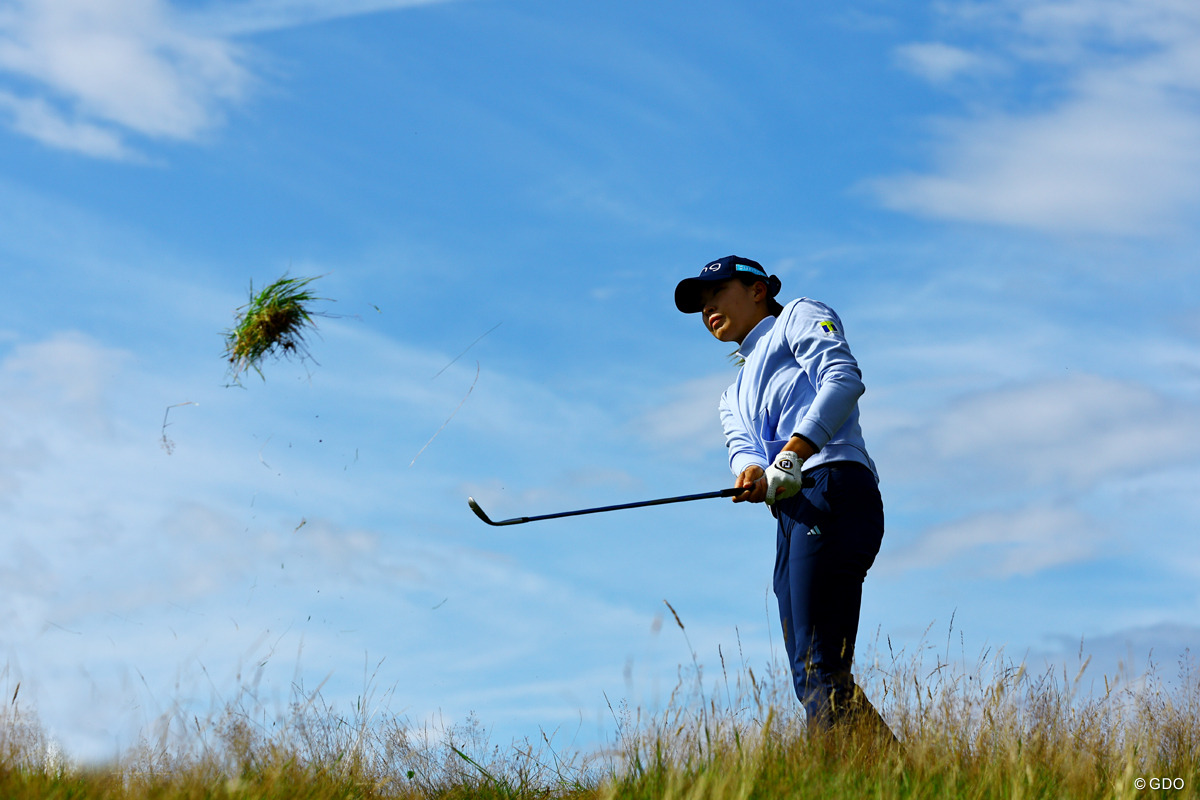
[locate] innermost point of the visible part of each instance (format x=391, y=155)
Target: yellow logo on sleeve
x=829, y=327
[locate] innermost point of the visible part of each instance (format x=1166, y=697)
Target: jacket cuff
x=812, y=431
x=741, y=463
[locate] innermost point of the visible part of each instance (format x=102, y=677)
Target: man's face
x=730, y=309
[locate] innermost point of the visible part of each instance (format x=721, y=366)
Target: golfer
x=791, y=425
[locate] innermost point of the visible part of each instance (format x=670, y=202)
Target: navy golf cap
x=687, y=293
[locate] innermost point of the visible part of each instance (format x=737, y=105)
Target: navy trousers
x=828, y=537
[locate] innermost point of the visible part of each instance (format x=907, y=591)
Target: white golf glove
x=783, y=477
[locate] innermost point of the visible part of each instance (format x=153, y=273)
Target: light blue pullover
x=799, y=377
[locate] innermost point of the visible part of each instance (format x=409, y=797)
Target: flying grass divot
x=272, y=324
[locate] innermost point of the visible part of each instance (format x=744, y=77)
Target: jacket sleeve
x=744, y=450
x=814, y=334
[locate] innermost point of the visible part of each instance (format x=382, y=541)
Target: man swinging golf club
x=791, y=416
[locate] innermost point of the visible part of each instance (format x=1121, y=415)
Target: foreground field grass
x=999, y=732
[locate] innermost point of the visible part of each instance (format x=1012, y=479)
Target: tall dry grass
x=308, y=749
x=991, y=729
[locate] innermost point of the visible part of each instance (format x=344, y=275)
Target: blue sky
x=1000, y=199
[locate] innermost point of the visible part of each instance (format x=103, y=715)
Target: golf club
x=661, y=501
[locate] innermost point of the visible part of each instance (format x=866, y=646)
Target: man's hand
x=783, y=478
x=753, y=479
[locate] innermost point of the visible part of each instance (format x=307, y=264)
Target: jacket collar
x=760, y=330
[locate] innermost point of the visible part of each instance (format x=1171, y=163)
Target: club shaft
x=640, y=504
x=479, y=512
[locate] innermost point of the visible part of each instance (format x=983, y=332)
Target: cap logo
x=748, y=268
x=713, y=267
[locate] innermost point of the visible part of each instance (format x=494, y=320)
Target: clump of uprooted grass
x=995, y=730
x=273, y=324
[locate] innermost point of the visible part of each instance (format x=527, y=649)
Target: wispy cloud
x=84, y=75
x=1128, y=654
x=1003, y=544
x=1111, y=141
x=1065, y=435
x=99, y=77
x=940, y=63
x=687, y=421
x=61, y=381
x=40, y=120
x=234, y=18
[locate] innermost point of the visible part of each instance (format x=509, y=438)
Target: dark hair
x=773, y=306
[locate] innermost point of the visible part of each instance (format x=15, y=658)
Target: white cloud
x=67, y=375
x=91, y=72
x=938, y=62
x=1118, y=164
x=1067, y=434
x=256, y=16
x=86, y=75
x=688, y=420
x=1113, y=143
x=37, y=119
x=1003, y=544
x=1125, y=654
x=1034, y=469
x=1059, y=29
